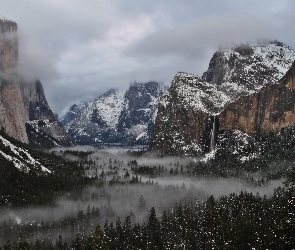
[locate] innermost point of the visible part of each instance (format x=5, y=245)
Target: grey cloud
x=192, y=40
x=67, y=44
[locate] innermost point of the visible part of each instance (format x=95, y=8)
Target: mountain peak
x=4, y=19
x=249, y=65
x=109, y=92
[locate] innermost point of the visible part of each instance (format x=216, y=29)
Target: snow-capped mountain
x=95, y=121
x=244, y=68
x=188, y=117
x=116, y=116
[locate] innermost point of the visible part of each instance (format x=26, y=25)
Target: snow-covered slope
x=94, y=121
x=19, y=157
x=116, y=116
x=139, y=112
x=108, y=107
x=234, y=71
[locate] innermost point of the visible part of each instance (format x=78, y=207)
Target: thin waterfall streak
x=213, y=132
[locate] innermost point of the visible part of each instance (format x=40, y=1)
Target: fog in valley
x=127, y=183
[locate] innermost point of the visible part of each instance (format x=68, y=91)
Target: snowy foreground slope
x=116, y=116
x=20, y=157
x=188, y=120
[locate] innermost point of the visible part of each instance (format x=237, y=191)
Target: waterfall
x=213, y=133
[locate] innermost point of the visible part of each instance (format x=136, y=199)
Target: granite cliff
x=231, y=95
x=269, y=110
x=24, y=112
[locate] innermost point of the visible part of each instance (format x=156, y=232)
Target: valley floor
x=135, y=197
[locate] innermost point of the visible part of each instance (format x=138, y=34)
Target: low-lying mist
x=119, y=190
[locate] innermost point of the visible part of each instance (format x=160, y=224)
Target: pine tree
x=154, y=231
x=142, y=204
x=127, y=233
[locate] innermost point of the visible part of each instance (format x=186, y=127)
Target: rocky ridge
x=191, y=116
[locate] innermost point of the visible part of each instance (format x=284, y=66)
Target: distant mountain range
x=124, y=117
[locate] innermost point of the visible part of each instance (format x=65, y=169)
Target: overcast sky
x=81, y=48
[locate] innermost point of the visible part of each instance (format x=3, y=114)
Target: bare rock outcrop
x=269, y=110
x=13, y=113
x=42, y=128
x=185, y=116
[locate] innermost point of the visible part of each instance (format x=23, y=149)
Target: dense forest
x=236, y=221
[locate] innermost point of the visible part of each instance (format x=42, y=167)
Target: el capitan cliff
x=23, y=104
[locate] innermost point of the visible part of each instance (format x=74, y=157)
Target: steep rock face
x=139, y=112
x=269, y=110
x=42, y=127
x=116, y=116
x=13, y=113
x=37, y=103
x=184, y=116
x=23, y=104
x=188, y=118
